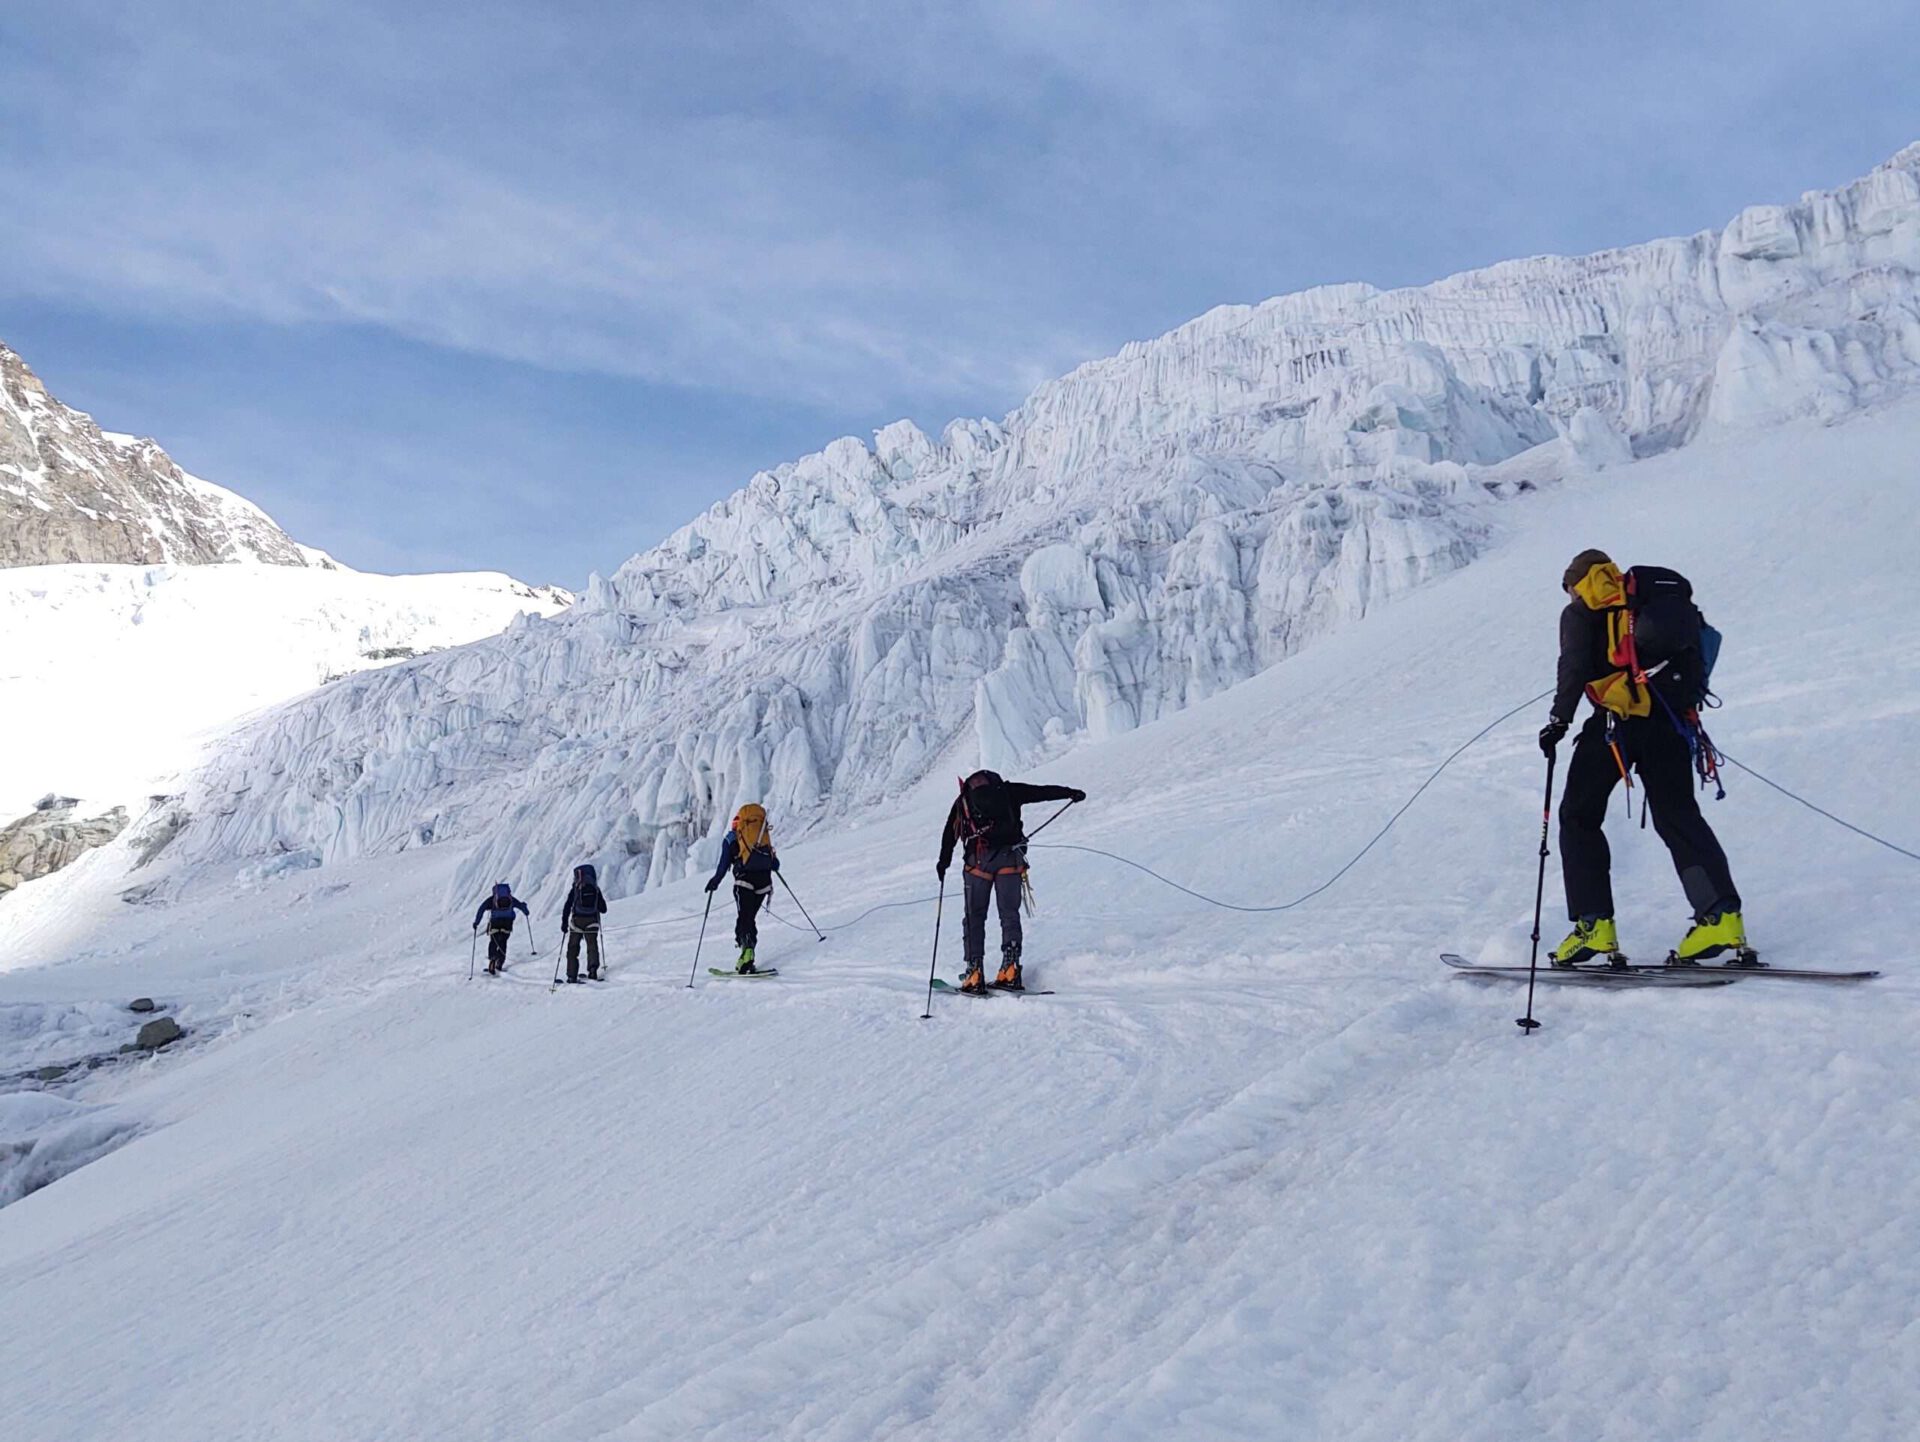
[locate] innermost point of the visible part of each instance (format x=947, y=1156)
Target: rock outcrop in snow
x=72, y=492
x=50, y=836
x=1138, y=535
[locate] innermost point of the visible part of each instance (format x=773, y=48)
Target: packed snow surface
x=1244, y=1176
x=1140, y=535
x=111, y=676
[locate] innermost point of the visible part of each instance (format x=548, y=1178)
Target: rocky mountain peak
x=70, y=491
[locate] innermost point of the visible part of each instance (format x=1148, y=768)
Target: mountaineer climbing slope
x=1635, y=644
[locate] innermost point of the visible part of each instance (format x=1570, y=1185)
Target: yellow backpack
x=1604, y=589
x=750, y=832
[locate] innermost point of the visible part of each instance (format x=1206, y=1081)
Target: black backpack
x=586, y=899
x=988, y=818
x=1668, y=635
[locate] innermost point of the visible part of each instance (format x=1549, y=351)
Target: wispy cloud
x=860, y=203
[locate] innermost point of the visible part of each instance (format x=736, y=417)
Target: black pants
x=1658, y=753
x=592, y=939
x=747, y=902
x=497, y=944
x=996, y=877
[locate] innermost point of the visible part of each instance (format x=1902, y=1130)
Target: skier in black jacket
x=986, y=816
x=1637, y=726
x=580, y=921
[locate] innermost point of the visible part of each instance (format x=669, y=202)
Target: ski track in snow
x=1244, y=1177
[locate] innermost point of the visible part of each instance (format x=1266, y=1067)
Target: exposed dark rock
x=158, y=1033
x=141, y=1003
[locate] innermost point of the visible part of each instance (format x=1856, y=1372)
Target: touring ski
x=729, y=974
x=1631, y=976
x=1784, y=973
x=941, y=984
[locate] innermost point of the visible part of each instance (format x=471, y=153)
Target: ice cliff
x=1140, y=534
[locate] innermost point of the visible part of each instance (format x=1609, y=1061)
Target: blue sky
x=526, y=286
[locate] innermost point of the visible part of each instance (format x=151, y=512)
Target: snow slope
x=1141, y=535
x=1245, y=1176
x=111, y=677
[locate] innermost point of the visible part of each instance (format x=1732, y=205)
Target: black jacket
x=596, y=908
x=1018, y=794
x=1583, y=657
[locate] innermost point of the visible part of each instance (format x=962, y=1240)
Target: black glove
x=1550, y=735
x=713, y=883
x=1076, y=796
x=939, y=871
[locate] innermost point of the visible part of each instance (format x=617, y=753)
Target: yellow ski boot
x=1714, y=935
x=1591, y=937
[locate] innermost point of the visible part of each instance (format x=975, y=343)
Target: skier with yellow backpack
x=748, y=852
x=1634, y=644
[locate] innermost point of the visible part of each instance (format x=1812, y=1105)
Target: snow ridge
x=1142, y=533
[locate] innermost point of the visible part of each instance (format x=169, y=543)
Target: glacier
x=1141, y=534
x=1242, y=1177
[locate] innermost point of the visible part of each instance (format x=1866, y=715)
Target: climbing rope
x=1821, y=811
x=1352, y=862
x=1306, y=896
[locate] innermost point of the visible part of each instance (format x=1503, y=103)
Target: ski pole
x=939, y=907
x=1049, y=821
x=600, y=940
x=473, y=952
x=558, y=952
x=818, y=934
x=1527, y=1023
x=701, y=942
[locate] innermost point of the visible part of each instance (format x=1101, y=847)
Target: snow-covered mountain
x=168, y=608
x=1139, y=535
x=113, y=676
x=70, y=491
